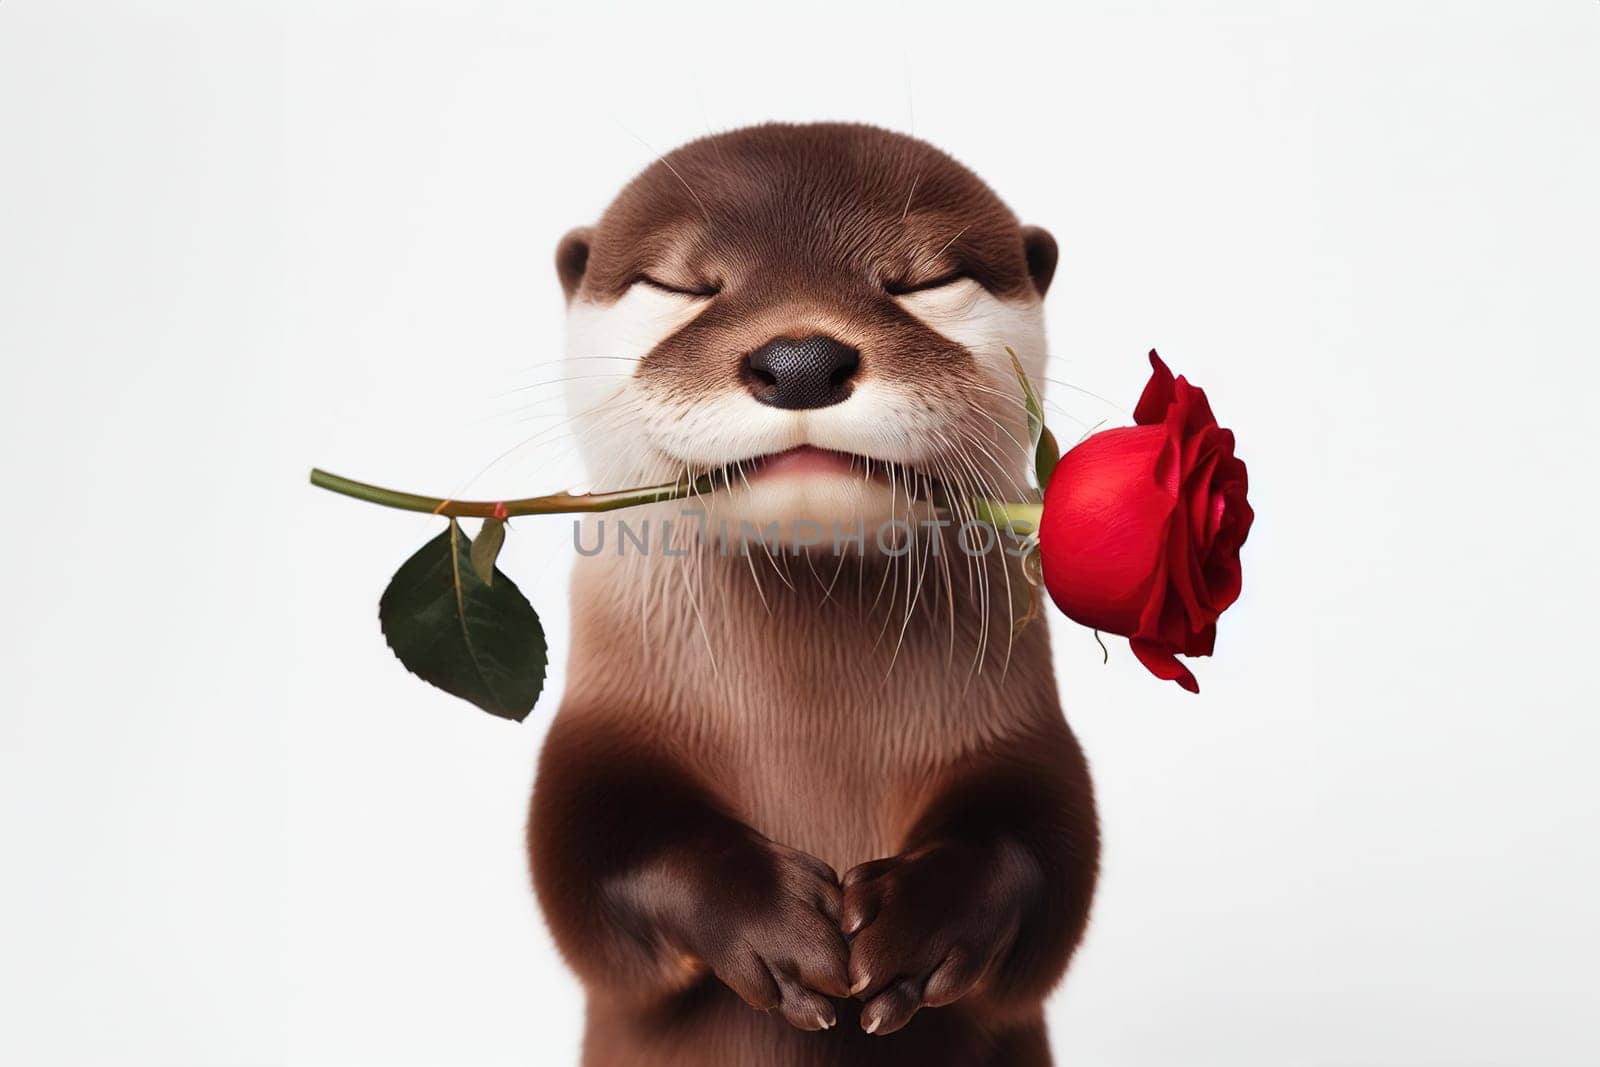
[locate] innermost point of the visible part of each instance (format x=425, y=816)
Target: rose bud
x=1142, y=525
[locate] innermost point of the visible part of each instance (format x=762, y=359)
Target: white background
x=240, y=239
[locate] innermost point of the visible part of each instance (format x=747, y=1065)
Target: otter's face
x=817, y=314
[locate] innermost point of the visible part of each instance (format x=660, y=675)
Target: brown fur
x=722, y=753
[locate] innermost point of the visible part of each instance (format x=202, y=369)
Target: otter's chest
x=831, y=772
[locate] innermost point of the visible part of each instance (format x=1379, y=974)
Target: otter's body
x=741, y=730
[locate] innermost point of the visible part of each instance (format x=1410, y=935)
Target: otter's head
x=817, y=314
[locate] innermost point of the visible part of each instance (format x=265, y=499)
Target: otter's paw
x=929, y=926
x=771, y=934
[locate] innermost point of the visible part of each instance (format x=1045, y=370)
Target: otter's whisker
x=946, y=246
x=564, y=380
x=906, y=211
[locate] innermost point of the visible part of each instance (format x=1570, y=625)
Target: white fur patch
x=971, y=316
x=605, y=343
x=624, y=332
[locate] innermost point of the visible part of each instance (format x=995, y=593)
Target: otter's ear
x=1040, y=248
x=572, y=259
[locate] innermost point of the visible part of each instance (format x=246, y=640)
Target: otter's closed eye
x=902, y=288
x=699, y=292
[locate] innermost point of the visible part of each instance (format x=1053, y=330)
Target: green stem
x=553, y=504
x=1021, y=517
x=1024, y=518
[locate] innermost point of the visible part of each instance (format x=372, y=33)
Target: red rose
x=1142, y=526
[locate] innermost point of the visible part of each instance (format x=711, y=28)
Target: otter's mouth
x=809, y=461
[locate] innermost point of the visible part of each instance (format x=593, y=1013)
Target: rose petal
x=1104, y=527
x=1185, y=573
x=1197, y=494
x=1191, y=401
x=1157, y=395
x=1163, y=664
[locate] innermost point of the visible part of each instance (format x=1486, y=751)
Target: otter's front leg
x=648, y=881
x=989, y=894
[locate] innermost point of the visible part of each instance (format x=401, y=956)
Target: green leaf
x=1046, y=452
x=486, y=549
x=475, y=639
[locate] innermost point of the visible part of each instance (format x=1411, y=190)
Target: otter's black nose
x=813, y=373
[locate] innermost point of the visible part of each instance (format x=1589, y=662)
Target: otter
x=809, y=805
